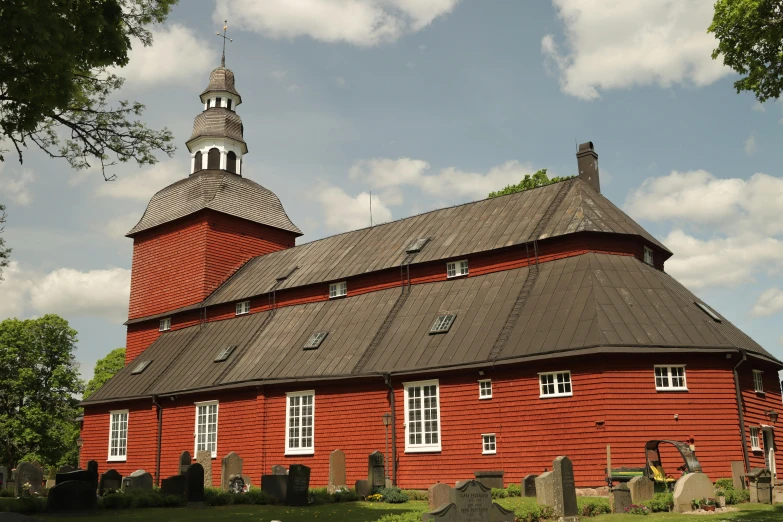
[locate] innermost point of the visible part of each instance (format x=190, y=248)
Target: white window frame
x=668, y=386
x=165, y=324
x=487, y=442
x=754, y=439
x=758, y=381
x=243, y=307
x=124, y=446
x=206, y=404
x=457, y=268
x=301, y=450
x=556, y=383
x=649, y=256
x=338, y=289
x=483, y=395
x=422, y=447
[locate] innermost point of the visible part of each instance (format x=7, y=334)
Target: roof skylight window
x=417, y=245
x=709, y=311
x=224, y=353
x=140, y=367
x=442, y=323
x=315, y=340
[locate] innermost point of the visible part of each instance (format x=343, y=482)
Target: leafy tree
x=750, y=39
x=38, y=381
x=55, y=85
x=539, y=179
x=105, y=369
x=5, y=252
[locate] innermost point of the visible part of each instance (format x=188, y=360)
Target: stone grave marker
x=109, y=481
x=139, y=479
x=279, y=469
x=236, y=484
x=298, y=485
x=28, y=473
x=545, y=491
x=3, y=478
x=72, y=496
x=565, y=488
x=185, y=460
x=66, y=469
x=529, y=486
x=174, y=486
x=93, y=466
x=491, y=479
x=363, y=488
x=689, y=487
x=247, y=480
x=337, y=479
x=194, y=489
x=82, y=475
x=620, y=498
x=231, y=466
x=472, y=503
x=205, y=459
x=275, y=486
x=642, y=489
x=375, y=473
x=440, y=495
x=737, y=471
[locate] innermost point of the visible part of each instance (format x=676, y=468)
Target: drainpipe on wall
x=387, y=380
x=160, y=432
x=740, y=410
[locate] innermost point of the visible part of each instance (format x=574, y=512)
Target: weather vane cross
x=224, y=37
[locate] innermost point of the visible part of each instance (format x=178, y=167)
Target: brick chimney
x=587, y=161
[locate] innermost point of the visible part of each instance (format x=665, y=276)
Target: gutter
x=740, y=409
x=387, y=381
x=160, y=433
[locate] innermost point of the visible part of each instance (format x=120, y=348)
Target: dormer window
x=209, y=103
x=228, y=104
x=218, y=101
x=338, y=289
x=457, y=268
x=165, y=324
x=648, y=256
x=243, y=307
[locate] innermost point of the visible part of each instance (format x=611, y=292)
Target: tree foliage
x=105, y=369
x=539, y=179
x=55, y=85
x=5, y=252
x=750, y=39
x=38, y=381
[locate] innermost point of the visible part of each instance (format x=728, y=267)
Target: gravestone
x=336, y=471
x=491, y=479
x=174, y=486
x=93, y=466
x=298, y=485
x=557, y=488
x=247, y=480
x=82, y=475
x=236, y=484
x=375, y=473
x=231, y=465
x=545, y=491
x=72, y=496
x=139, y=479
x=65, y=469
x=737, y=471
x=205, y=459
x=642, y=489
x=194, y=489
x=28, y=473
x=110, y=481
x=620, y=498
x=275, y=486
x=472, y=503
x=691, y=486
x=185, y=460
x=529, y=486
x=363, y=488
x=3, y=478
x=440, y=495
x=279, y=469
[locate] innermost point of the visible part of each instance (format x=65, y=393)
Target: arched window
x=197, y=162
x=231, y=162
x=213, y=159
x=217, y=102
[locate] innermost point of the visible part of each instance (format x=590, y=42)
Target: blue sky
x=429, y=103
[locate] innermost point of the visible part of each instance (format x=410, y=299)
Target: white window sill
x=242, y=313
x=485, y=397
x=423, y=449
x=760, y=392
x=671, y=389
x=116, y=459
x=553, y=395
x=308, y=451
x=755, y=449
x=455, y=276
x=489, y=452
x=337, y=296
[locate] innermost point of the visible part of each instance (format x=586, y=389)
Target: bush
x=7, y=493
x=634, y=509
x=347, y=495
x=499, y=493
x=660, y=502
x=23, y=505
x=417, y=494
x=391, y=495
x=514, y=490
x=591, y=507
x=737, y=496
x=137, y=499
x=724, y=483
x=536, y=514
x=216, y=497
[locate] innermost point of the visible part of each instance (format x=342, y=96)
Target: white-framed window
x=300, y=423
x=422, y=416
x=442, y=323
x=485, y=389
x=488, y=442
x=758, y=381
x=555, y=384
x=118, y=435
x=648, y=255
x=243, y=307
x=165, y=324
x=754, y=439
x=457, y=268
x=338, y=289
x=206, y=427
x=670, y=378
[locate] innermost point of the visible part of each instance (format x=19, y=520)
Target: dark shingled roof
x=592, y=303
x=220, y=191
x=218, y=122
x=221, y=80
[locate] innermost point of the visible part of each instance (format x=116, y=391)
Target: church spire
x=224, y=37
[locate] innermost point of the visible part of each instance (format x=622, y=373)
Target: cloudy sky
x=430, y=103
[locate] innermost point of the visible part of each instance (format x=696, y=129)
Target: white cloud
x=613, y=44
x=293, y=88
x=176, y=55
x=340, y=81
x=343, y=212
x=14, y=287
x=279, y=75
x=758, y=107
x=16, y=188
x=751, y=147
x=119, y=226
x=357, y=22
x=142, y=184
x=770, y=302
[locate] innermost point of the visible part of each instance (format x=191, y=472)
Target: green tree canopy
x=5, y=252
x=55, y=85
x=105, y=369
x=750, y=39
x=539, y=179
x=38, y=381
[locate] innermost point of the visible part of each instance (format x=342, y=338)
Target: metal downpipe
x=740, y=410
x=387, y=380
x=160, y=433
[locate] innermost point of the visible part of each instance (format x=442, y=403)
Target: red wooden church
x=498, y=334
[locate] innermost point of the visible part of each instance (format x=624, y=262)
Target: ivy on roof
x=539, y=179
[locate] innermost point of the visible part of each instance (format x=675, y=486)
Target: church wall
x=139, y=337
x=757, y=404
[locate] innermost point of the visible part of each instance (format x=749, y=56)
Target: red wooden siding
x=139, y=337
x=757, y=404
